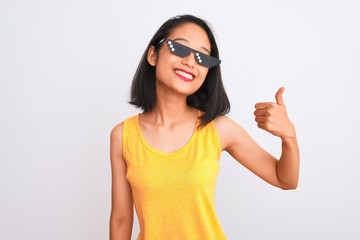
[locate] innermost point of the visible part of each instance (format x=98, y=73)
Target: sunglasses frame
x=181, y=50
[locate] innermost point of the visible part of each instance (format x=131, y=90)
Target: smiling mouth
x=184, y=75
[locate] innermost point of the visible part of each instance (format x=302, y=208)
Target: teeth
x=184, y=74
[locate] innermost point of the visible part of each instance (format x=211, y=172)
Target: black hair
x=210, y=98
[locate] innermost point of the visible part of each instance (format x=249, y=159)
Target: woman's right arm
x=121, y=219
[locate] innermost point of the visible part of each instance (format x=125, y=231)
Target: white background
x=65, y=72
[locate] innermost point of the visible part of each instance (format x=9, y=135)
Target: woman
x=164, y=160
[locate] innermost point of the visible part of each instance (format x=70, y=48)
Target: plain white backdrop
x=65, y=72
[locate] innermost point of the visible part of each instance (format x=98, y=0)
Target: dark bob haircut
x=210, y=98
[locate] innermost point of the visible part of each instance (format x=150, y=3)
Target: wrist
x=290, y=136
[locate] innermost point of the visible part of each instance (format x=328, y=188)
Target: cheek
x=162, y=68
x=203, y=72
x=202, y=77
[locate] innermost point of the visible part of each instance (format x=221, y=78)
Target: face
x=181, y=75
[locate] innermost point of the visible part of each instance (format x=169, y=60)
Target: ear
x=152, y=56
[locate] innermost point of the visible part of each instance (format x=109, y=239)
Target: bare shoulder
x=228, y=130
x=116, y=132
x=222, y=121
x=225, y=124
x=116, y=141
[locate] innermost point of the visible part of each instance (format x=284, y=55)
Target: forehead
x=193, y=33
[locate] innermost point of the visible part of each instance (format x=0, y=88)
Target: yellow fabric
x=174, y=193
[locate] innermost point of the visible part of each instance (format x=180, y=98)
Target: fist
x=272, y=117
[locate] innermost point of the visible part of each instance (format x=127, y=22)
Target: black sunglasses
x=183, y=51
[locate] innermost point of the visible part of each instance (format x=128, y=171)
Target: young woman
x=164, y=160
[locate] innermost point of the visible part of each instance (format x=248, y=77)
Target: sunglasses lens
x=183, y=51
x=178, y=49
x=206, y=60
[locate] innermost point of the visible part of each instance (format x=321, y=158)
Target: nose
x=189, y=60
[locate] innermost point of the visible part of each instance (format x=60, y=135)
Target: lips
x=186, y=76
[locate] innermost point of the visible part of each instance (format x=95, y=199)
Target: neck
x=171, y=109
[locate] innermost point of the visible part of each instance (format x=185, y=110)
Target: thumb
x=278, y=96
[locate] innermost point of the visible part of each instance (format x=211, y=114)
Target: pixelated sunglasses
x=183, y=51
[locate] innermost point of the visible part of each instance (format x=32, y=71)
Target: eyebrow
x=185, y=40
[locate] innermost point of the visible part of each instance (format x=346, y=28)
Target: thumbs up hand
x=273, y=117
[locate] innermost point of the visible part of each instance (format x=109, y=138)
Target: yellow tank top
x=174, y=193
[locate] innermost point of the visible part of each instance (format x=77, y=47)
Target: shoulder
x=117, y=132
x=228, y=130
x=224, y=123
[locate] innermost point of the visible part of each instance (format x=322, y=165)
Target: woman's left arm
x=273, y=117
